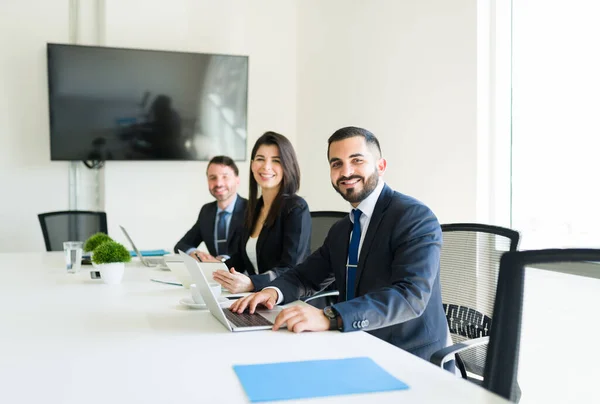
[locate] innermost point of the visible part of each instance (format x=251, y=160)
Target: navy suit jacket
x=397, y=287
x=279, y=247
x=204, y=229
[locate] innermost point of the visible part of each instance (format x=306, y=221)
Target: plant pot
x=111, y=273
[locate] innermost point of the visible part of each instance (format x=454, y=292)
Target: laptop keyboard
x=246, y=319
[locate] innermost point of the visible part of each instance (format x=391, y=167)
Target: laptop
x=182, y=275
x=147, y=261
x=261, y=320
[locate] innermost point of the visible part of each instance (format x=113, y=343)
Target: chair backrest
x=70, y=225
x=321, y=223
x=469, y=266
x=545, y=325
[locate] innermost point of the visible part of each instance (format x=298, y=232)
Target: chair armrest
x=445, y=354
x=329, y=293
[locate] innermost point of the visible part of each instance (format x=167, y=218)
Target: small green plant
x=95, y=240
x=109, y=252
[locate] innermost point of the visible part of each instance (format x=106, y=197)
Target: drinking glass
x=73, y=252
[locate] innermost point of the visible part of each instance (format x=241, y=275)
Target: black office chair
x=534, y=286
x=70, y=225
x=469, y=266
x=321, y=223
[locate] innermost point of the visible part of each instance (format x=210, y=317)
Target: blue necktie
x=353, y=256
x=222, y=233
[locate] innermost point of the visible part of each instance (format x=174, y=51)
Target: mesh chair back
x=321, y=223
x=545, y=322
x=70, y=225
x=469, y=266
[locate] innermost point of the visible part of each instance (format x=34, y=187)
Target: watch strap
x=333, y=316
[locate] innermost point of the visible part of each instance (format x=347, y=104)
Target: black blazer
x=280, y=247
x=397, y=288
x=204, y=229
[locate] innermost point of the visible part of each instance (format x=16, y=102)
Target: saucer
x=189, y=302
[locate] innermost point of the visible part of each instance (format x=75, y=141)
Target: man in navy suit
x=220, y=223
x=386, y=264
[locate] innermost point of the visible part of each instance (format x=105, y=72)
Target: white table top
x=65, y=338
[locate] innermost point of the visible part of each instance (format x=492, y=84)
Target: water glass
x=73, y=252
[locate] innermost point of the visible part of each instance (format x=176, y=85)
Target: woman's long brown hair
x=290, y=182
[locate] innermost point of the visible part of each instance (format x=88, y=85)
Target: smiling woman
x=278, y=225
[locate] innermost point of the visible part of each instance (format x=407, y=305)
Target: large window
x=556, y=123
x=555, y=191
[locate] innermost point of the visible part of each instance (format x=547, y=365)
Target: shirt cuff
x=279, y=294
x=189, y=250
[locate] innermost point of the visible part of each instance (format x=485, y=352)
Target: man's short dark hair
x=353, y=131
x=224, y=161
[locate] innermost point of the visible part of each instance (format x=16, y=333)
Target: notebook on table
x=319, y=378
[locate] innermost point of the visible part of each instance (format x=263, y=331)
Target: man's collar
x=229, y=207
x=367, y=206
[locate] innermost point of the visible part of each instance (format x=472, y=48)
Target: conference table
x=67, y=338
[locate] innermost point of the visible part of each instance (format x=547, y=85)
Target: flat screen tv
x=131, y=104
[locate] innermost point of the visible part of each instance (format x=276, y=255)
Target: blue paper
x=150, y=253
x=319, y=378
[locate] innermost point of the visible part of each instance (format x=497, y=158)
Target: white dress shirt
x=251, y=252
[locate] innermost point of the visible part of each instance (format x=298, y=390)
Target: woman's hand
x=233, y=281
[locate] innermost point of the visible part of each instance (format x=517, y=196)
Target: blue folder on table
x=150, y=253
x=318, y=378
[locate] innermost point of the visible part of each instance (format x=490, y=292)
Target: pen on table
x=166, y=282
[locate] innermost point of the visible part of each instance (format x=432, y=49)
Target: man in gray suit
x=219, y=223
x=384, y=257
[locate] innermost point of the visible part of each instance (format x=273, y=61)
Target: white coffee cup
x=197, y=297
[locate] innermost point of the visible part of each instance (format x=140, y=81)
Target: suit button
x=354, y=325
x=365, y=323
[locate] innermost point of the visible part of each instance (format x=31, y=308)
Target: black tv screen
x=129, y=104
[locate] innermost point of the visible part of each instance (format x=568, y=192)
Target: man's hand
x=233, y=281
x=302, y=318
x=266, y=297
x=203, y=256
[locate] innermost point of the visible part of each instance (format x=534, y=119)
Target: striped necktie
x=353, y=255
x=222, y=233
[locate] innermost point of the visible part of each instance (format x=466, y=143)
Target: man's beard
x=220, y=197
x=354, y=196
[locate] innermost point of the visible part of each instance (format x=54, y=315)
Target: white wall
x=404, y=69
x=158, y=201
x=29, y=182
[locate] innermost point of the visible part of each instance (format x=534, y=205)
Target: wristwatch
x=222, y=258
x=333, y=317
